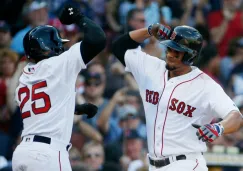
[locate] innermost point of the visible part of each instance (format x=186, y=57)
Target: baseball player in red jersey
x=46, y=92
x=179, y=99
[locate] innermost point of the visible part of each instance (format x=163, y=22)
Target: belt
x=164, y=162
x=46, y=140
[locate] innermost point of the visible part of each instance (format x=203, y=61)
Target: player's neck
x=179, y=72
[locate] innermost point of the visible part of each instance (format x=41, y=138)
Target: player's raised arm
x=94, y=40
x=133, y=39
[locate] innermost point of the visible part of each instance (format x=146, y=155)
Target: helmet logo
x=70, y=11
x=172, y=37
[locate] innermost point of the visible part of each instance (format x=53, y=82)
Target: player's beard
x=170, y=68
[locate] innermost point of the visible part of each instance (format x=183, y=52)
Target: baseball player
x=46, y=92
x=176, y=95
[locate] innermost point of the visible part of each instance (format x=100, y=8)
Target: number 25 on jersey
x=33, y=97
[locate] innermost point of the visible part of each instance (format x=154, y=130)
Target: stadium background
x=116, y=138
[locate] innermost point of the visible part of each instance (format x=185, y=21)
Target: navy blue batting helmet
x=185, y=39
x=43, y=42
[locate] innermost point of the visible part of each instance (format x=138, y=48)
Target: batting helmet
x=43, y=42
x=185, y=39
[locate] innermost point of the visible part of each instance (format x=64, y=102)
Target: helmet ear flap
x=189, y=57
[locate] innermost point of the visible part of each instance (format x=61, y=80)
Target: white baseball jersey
x=172, y=105
x=46, y=95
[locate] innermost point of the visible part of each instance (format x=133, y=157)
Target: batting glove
x=69, y=15
x=209, y=132
x=86, y=109
x=159, y=31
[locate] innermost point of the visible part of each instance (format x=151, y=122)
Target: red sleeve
x=215, y=19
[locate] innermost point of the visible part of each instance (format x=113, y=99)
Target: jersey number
x=34, y=96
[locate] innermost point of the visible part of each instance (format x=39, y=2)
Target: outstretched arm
x=132, y=39
x=94, y=40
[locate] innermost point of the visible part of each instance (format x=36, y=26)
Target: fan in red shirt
x=8, y=61
x=226, y=24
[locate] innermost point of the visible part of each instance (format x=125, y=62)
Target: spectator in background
x=208, y=61
x=95, y=81
x=81, y=167
x=124, y=8
x=37, y=14
x=151, y=12
x=55, y=22
x=226, y=24
x=72, y=34
x=115, y=73
x=54, y=6
x=133, y=149
x=236, y=80
x=83, y=132
x=5, y=35
x=112, y=17
x=234, y=57
x=125, y=150
x=109, y=119
x=128, y=120
x=165, y=12
x=135, y=20
x=98, y=7
x=93, y=155
x=8, y=62
x=133, y=98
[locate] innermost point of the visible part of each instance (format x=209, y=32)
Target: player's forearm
x=233, y=122
x=139, y=35
x=94, y=40
x=103, y=120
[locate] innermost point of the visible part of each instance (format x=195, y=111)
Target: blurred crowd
x=115, y=139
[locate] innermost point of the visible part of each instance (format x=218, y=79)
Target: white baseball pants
x=37, y=156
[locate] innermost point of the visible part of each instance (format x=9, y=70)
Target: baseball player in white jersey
x=46, y=92
x=179, y=99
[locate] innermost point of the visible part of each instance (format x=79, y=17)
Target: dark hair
x=233, y=44
x=132, y=12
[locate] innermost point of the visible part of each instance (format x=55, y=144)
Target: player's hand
x=87, y=108
x=120, y=96
x=69, y=14
x=159, y=31
x=209, y=132
x=117, y=68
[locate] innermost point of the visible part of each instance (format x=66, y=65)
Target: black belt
x=164, y=162
x=42, y=139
